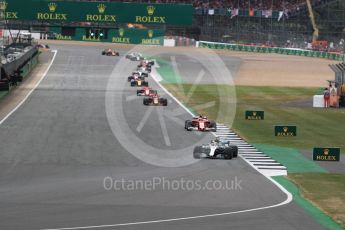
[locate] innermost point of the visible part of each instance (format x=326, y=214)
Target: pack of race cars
x=216, y=149
x=138, y=78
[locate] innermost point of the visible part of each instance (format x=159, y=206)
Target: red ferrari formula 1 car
x=200, y=123
x=146, y=91
x=155, y=100
x=110, y=52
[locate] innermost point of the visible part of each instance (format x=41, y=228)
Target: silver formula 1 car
x=135, y=56
x=216, y=149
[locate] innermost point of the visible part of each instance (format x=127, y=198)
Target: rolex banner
x=326, y=154
x=99, y=12
x=254, y=115
x=137, y=36
x=121, y=35
x=285, y=131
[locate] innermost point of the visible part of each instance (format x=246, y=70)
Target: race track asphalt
x=59, y=146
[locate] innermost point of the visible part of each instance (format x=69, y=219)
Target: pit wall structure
x=18, y=74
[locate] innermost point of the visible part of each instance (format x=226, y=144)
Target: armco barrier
x=277, y=50
x=29, y=66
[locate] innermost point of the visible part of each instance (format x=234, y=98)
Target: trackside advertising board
x=121, y=35
x=254, y=115
x=285, y=130
x=326, y=154
x=99, y=12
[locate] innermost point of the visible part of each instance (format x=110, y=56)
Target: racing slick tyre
x=129, y=78
x=146, y=101
x=213, y=126
x=145, y=83
x=138, y=92
x=228, y=153
x=234, y=150
x=133, y=83
x=164, y=101
x=188, y=125
x=197, y=152
x=103, y=53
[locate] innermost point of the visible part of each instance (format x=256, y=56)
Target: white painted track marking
x=31, y=91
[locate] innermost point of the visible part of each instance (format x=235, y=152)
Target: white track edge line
x=31, y=91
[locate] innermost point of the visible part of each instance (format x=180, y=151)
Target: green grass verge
x=165, y=70
x=3, y=94
x=315, y=127
x=325, y=191
x=291, y=158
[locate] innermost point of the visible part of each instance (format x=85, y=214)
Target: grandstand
x=279, y=24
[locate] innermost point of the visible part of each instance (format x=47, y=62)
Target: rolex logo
x=52, y=7
x=150, y=33
x=121, y=32
x=254, y=114
x=326, y=152
x=101, y=8
x=150, y=10
x=3, y=5
x=285, y=129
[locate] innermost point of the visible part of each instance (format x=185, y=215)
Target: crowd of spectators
x=291, y=5
x=255, y=4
